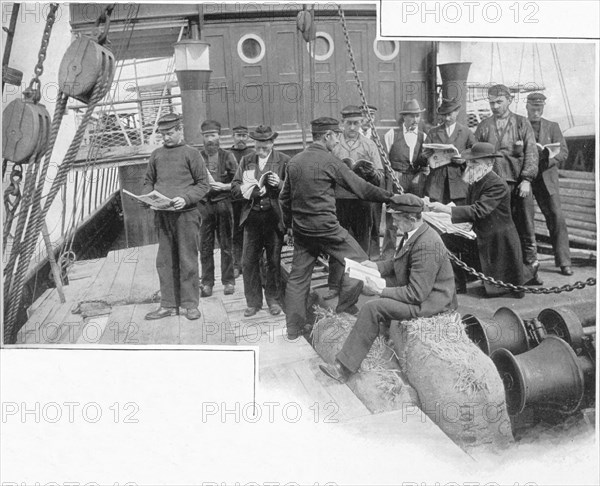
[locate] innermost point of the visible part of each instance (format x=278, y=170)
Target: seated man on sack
x=424, y=285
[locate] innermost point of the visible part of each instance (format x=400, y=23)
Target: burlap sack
x=379, y=383
x=458, y=385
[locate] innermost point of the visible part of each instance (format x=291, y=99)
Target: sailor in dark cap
x=177, y=171
x=261, y=219
x=422, y=285
x=545, y=185
x=513, y=138
x=217, y=212
x=445, y=183
x=308, y=204
x=354, y=214
x=488, y=208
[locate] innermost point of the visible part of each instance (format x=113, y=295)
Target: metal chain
x=521, y=288
x=35, y=85
x=397, y=188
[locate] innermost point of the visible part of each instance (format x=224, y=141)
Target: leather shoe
x=332, y=294
x=337, y=371
x=250, y=311
x=229, y=289
x=192, y=314
x=566, y=270
x=535, y=280
x=205, y=290
x=274, y=309
x=160, y=313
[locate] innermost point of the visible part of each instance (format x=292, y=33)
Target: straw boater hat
x=448, y=106
x=263, y=134
x=480, y=150
x=411, y=107
x=405, y=203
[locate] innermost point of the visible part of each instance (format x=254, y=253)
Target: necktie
x=402, y=241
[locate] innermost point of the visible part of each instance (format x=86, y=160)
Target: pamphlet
x=154, y=199
x=361, y=272
x=250, y=182
x=553, y=148
x=442, y=154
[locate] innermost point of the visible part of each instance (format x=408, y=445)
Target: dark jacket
x=177, y=171
x=276, y=163
x=519, y=162
x=462, y=138
x=488, y=208
x=223, y=172
x=548, y=167
x=308, y=195
x=238, y=154
x=424, y=278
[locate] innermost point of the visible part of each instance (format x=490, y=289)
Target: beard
x=241, y=145
x=475, y=173
x=212, y=147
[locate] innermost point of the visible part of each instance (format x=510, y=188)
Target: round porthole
x=251, y=48
x=386, y=50
x=323, y=48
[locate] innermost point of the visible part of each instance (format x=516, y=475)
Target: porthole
x=386, y=50
x=251, y=48
x=323, y=46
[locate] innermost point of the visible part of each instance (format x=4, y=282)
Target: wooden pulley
x=25, y=130
x=306, y=25
x=84, y=64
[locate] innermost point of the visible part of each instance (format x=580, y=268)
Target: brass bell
x=505, y=330
x=82, y=64
x=549, y=376
x=25, y=130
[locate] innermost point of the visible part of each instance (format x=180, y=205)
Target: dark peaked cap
x=352, y=111
x=325, y=123
x=405, y=203
x=499, y=90
x=168, y=121
x=240, y=129
x=536, y=99
x=210, y=126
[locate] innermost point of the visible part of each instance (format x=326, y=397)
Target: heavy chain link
x=104, y=17
x=397, y=188
x=521, y=288
x=35, y=85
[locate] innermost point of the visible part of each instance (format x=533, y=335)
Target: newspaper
x=443, y=223
x=553, y=148
x=442, y=154
x=250, y=182
x=154, y=199
x=361, y=272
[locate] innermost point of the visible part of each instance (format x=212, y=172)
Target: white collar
x=451, y=128
x=406, y=130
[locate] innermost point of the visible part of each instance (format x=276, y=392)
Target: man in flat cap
x=445, y=183
x=354, y=214
x=216, y=212
x=261, y=219
x=422, y=285
x=405, y=150
x=308, y=204
x=239, y=149
x=177, y=171
x=488, y=208
x=545, y=185
x=513, y=138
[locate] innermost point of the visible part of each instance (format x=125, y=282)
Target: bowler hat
x=351, y=111
x=263, y=133
x=499, y=90
x=405, y=203
x=240, y=129
x=168, y=121
x=448, y=106
x=210, y=126
x=323, y=124
x=411, y=107
x=480, y=150
x=536, y=99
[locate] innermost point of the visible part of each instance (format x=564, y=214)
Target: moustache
x=240, y=145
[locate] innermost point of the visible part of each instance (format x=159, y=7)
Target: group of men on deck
x=329, y=198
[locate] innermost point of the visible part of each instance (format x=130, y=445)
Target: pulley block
x=25, y=130
x=84, y=64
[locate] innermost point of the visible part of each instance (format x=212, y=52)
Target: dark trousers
x=374, y=247
x=238, y=234
x=177, y=258
x=261, y=232
x=306, y=250
x=523, y=214
x=354, y=215
x=365, y=331
x=555, y=221
x=217, y=218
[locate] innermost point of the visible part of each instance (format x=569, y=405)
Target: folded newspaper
x=361, y=272
x=154, y=199
x=250, y=182
x=443, y=223
x=553, y=148
x=443, y=153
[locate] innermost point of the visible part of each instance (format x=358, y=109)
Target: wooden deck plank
x=92, y=329
x=145, y=281
x=118, y=294
x=217, y=329
x=277, y=350
x=47, y=294
x=118, y=323
x=103, y=281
